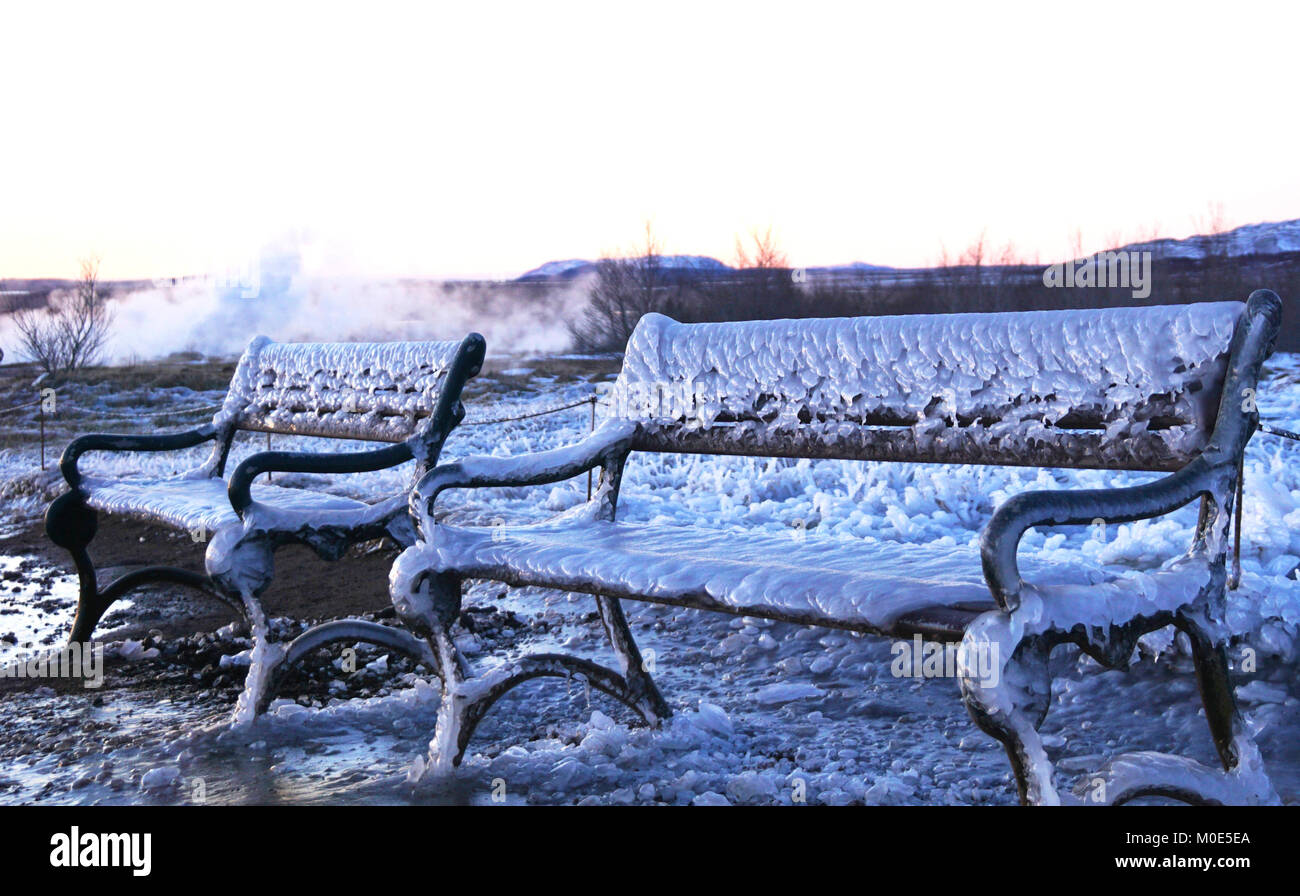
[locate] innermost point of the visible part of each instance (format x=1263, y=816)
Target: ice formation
x=200, y=504
x=1115, y=387
x=814, y=579
x=365, y=390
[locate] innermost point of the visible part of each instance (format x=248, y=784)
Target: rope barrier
x=140, y=416
x=1277, y=431
x=19, y=407
x=95, y=412
x=64, y=407
x=555, y=410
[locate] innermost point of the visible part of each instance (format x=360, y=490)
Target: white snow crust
x=364, y=390
x=1002, y=369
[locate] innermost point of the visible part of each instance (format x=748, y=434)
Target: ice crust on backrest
x=1123, y=387
x=379, y=391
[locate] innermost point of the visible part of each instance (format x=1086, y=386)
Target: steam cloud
x=218, y=316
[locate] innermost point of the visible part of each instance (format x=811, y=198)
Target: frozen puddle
x=141, y=748
x=36, y=607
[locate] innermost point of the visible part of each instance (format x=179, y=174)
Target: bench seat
x=848, y=583
x=194, y=503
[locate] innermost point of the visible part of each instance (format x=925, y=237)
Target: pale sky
x=479, y=139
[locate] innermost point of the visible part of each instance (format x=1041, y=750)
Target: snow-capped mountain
x=576, y=267
x=853, y=267
x=1268, y=238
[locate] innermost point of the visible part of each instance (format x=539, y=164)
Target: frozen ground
x=764, y=711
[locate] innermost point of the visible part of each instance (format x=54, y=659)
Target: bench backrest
x=353, y=390
x=1119, y=388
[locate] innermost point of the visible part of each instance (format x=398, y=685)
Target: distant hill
x=1273, y=238
x=1252, y=240
x=574, y=268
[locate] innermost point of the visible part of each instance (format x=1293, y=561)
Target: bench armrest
x=1213, y=472
x=241, y=481
x=611, y=440
x=111, y=442
x=1001, y=536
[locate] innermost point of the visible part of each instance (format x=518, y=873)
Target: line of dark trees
x=764, y=286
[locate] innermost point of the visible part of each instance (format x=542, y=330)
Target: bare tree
x=625, y=288
x=763, y=287
x=71, y=333
x=974, y=257
x=1221, y=277
x=766, y=253
x=955, y=281
x=38, y=338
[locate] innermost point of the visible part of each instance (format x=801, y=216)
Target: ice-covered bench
x=403, y=393
x=1161, y=389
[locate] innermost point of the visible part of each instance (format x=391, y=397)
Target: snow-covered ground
x=765, y=712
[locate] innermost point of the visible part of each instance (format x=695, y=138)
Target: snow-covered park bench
x=1160, y=389
x=403, y=393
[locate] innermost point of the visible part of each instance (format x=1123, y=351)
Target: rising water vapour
x=218, y=315
x=218, y=318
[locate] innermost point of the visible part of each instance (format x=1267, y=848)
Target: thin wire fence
x=590, y=399
x=143, y=417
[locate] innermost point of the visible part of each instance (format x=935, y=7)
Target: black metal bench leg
x=649, y=702
x=1211, y=663
x=71, y=524
x=1011, y=704
x=90, y=606
x=429, y=604
x=351, y=631
x=1236, y=747
x=242, y=568
x=1242, y=780
x=1015, y=705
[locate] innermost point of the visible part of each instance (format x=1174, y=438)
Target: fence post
x=268, y=448
x=40, y=411
x=593, y=429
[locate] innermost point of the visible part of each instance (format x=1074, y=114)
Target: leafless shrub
x=766, y=254
x=625, y=288
x=71, y=333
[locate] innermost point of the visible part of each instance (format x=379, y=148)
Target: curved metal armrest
x=1213, y=470
x=241, y=481
x=1001, y=536
x=110, y=442
x=611, y=440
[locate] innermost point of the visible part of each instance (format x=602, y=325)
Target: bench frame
x=240, y=562
x=1027, y=626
